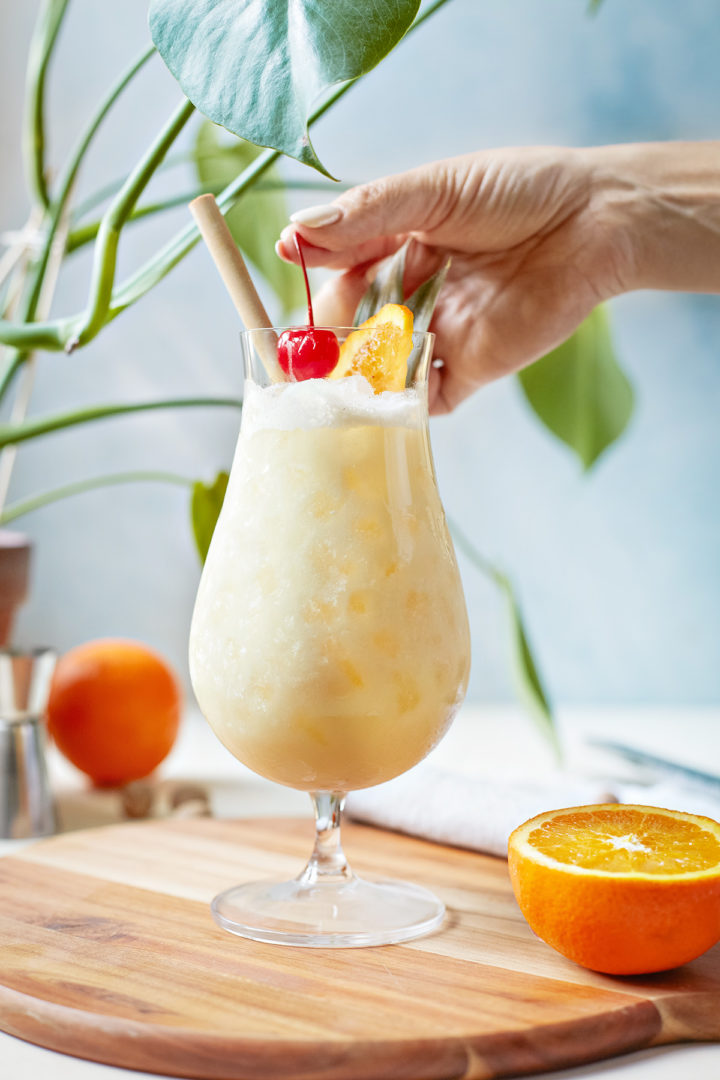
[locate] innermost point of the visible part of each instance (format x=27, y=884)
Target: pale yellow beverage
x=329, y=647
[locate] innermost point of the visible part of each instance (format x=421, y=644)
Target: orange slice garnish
x=620, y=888
x=379, y=349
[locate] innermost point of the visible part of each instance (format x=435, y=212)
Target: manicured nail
x=314, y=217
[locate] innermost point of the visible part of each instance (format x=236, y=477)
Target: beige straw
x=232, y=269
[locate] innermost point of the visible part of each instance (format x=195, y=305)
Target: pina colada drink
x=329, y=647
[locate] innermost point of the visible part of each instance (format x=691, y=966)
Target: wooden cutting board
x=109, y=953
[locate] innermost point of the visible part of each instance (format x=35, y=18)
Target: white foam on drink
x=316, y=403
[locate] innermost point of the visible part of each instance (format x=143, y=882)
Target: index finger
x=343, y=259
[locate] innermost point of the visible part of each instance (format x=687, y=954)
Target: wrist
x=659, y=204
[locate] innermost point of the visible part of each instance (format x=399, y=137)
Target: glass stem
x=327, y=862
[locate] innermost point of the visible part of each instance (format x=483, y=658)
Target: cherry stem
x=298, y=248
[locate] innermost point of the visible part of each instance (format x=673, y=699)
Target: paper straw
x=232, y=269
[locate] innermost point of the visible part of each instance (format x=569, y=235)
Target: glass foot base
x=329, y=914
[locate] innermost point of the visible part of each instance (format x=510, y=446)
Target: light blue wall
x=618, y=571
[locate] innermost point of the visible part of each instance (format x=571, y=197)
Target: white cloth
x=480, y=813
x=671, y=795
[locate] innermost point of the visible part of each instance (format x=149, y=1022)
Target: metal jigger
x=26, y=803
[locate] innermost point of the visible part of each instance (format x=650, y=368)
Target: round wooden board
x=109, y=953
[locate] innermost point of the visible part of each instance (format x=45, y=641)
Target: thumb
x=369, y=221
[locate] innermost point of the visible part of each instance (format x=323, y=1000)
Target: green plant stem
x=42, y=46
x=31, y=429
x=50, y=336
x=107, y=303
x=13, y=285
x=144, y=279
x=190, y=157
x=36, y=502
x=529, y=681
x=473, y=555
x=62, y=333
x=69, y=176
x=11, y=263
x=103, y=276
x=55, y=214
x=85, y=234
x=26, y=381
x=97, y=198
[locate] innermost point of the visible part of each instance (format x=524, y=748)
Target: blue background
x=618, y=570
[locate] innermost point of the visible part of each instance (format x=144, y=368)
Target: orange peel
x=619, y=888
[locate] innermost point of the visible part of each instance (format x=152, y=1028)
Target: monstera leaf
x=257, y=66
x=580, y=392
x=258, y=217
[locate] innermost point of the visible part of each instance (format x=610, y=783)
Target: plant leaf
x=257, y=66
x=527, y=676
x=423, y=300
x=205, y=506
x=386, y=287
x=258, y=217
x=580, y=392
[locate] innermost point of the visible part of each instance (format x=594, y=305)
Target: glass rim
x=421, y=335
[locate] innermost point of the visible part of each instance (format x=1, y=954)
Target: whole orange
x=619, y=888
x=114, y=709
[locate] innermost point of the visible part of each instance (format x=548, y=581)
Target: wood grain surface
x=109, y=953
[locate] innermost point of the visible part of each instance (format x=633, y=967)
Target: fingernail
x=316, y=216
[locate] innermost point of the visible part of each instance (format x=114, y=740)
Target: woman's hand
x=538, y=237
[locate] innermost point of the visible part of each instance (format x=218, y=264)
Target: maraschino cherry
x=307, y=352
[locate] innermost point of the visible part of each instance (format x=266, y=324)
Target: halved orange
x=379, y=349
x=619, y=888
